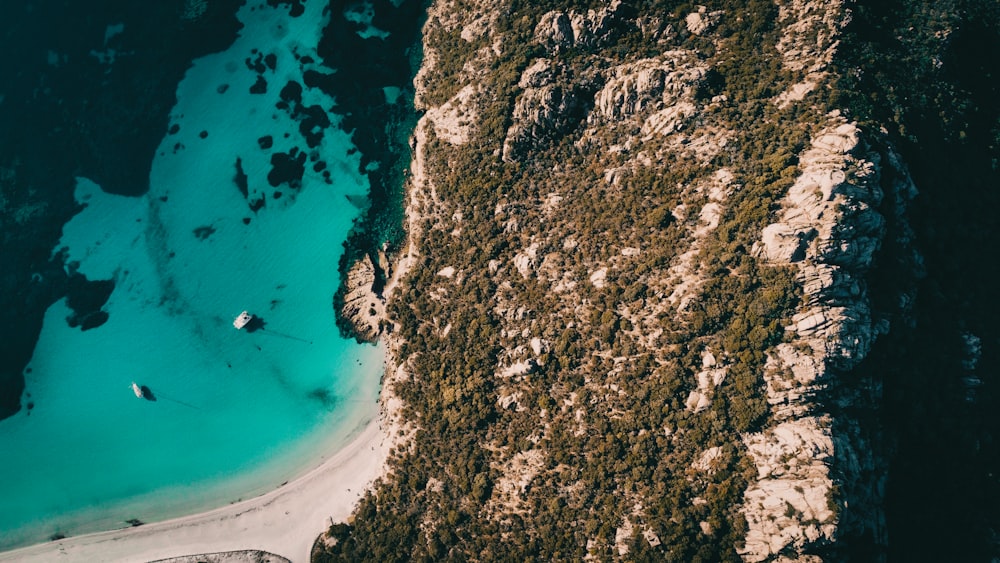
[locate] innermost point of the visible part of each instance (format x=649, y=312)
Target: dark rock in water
x=178, y=147
x=203, y=233
x=246, y=220
x=222, y=88
x=276, y=195
x=295, y=7
x=256, y=65
x=271, y=61
x=321, y=80
x=319, y=166
x=259, y=87
x=94, y=320
x=364, y=69
x=256, y=203
x=287, y=168
x=265, y=142
x=203, y=134
x=292, y=92
x=174, y=129
x=241, y=178
x=306, y=60
x=312, y=121
x=85, y=298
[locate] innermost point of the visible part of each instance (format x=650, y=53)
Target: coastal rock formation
x=246, y=556
x=790, y=504
x=831, y=230
x=362, y=306
x=642, y=255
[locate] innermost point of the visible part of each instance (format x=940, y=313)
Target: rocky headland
x=650, y=253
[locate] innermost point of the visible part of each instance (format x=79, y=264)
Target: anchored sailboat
x=242, y=320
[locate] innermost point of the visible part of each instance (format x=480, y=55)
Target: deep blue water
x=236, y=412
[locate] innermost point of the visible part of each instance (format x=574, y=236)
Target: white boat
x=242, y=320
x=137, y=390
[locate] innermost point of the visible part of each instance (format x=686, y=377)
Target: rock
x=360, y=306
x=598, y=278
x=782, y=243
x=86, y=298
x=540, y=115
x=260, y=86
x=788, y=506
x=554, y=31
x=291, y=94
x=557, y=31
x=654, y=84
x=240, y=179
x=287, y=168
x=830, y=229
x=701, y=21
x=453, y=120
x=540, y=73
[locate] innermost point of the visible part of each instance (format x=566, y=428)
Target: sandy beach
x=285, y=521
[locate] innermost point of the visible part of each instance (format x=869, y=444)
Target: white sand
x=285, y=521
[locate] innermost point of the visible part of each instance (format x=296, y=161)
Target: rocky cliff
x=641, y=243
x=811, y=462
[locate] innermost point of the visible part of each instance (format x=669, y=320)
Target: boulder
x=701, y=21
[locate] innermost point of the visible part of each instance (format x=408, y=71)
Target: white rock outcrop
x=453, y=120
x=557, y=31
x=702, y=20
x=657, y=84
x=830, y=229
x=551, y=103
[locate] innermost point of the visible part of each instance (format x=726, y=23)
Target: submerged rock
x=87, y=298
x=287, y=168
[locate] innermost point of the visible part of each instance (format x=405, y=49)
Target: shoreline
x=285, y=521
x=289, y=520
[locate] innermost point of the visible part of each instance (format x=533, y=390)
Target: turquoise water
x=237, y=412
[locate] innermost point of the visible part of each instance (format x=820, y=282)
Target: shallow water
x=236, y=412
